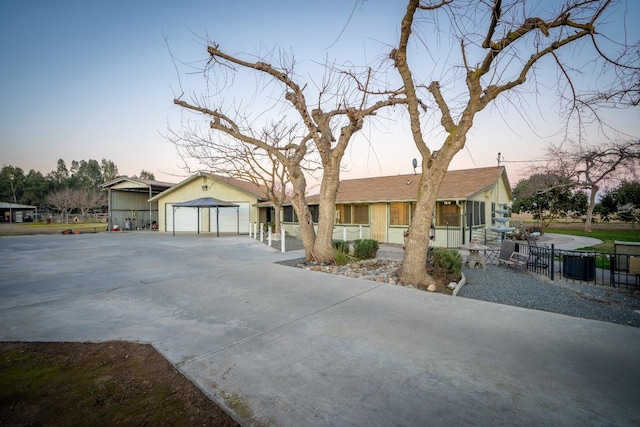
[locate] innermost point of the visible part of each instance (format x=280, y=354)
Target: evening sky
x=82, y=79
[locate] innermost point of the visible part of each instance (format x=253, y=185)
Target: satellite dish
x=415, y=165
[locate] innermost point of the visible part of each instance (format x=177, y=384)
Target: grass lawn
x=608, y=236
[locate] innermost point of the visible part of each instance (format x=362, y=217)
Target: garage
x=208, y=193
x=229, y=220
x=182, y=219
x=199, y=206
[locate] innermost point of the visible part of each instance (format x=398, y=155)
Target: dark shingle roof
x=457, y=184
x=257, y=190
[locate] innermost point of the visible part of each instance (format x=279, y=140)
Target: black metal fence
x=598, y=268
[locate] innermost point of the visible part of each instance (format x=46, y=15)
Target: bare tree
x=501, y=43
x=85, y=200
x=344, y=101
x=63, y=201
x=66, y=200
x=229, y=156
x=265, y=170
x=589, y=165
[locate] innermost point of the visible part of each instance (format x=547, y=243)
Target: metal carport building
x=129, y=198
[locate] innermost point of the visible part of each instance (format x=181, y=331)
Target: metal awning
x=206, y=202
x=17, y=207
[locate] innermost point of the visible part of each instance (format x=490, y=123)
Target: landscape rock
x=377, y=270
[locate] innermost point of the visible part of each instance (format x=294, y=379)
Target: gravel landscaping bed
x=504, y=285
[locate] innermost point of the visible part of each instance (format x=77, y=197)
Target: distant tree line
x=65, y=189
x=549, y=196
x=621, y=202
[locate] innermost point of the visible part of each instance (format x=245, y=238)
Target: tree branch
x=295, y=95
x=495, y=17
x=492, y=91
x=434, y=6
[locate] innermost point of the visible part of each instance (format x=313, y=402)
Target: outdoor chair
x=511, y=256
x=507, y=247
x=518, y=260
x=536, y=252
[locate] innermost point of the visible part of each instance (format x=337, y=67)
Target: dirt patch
x=111, y=383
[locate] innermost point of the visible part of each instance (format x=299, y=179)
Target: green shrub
x=341, y=246
x=365, y=248
x=342, y=258
x=266, y=226
x=447, y=264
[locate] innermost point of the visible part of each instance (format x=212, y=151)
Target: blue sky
x=86, y=79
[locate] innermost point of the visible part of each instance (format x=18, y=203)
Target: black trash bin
x=579, y=267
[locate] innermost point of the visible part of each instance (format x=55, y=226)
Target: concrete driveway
x=284, y=346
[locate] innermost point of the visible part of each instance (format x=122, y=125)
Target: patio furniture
x=518, y=260
x=511, y=256
x=536, y=252
x=507, y=247
x=492, y=256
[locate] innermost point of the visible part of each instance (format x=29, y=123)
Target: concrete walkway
x=283, y=346
x=567, y=242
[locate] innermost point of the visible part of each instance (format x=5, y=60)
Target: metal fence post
x=552, y=264
x=612, y=269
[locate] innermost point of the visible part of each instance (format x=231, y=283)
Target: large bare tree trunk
x=433, y=171
x=414, y=268
x=592, y=205
x=305, y=220
x=323, y=248
x=277, y=218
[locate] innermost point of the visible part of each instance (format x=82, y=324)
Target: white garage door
x=229, y=218
x=186, y=219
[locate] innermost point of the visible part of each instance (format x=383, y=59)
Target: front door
x=379, y=222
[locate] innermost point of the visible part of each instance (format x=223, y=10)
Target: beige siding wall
x=352, y=231
x=396, y=234
x=380, y=230
x=216, y=189
x=291, y=229
x=498, y=194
